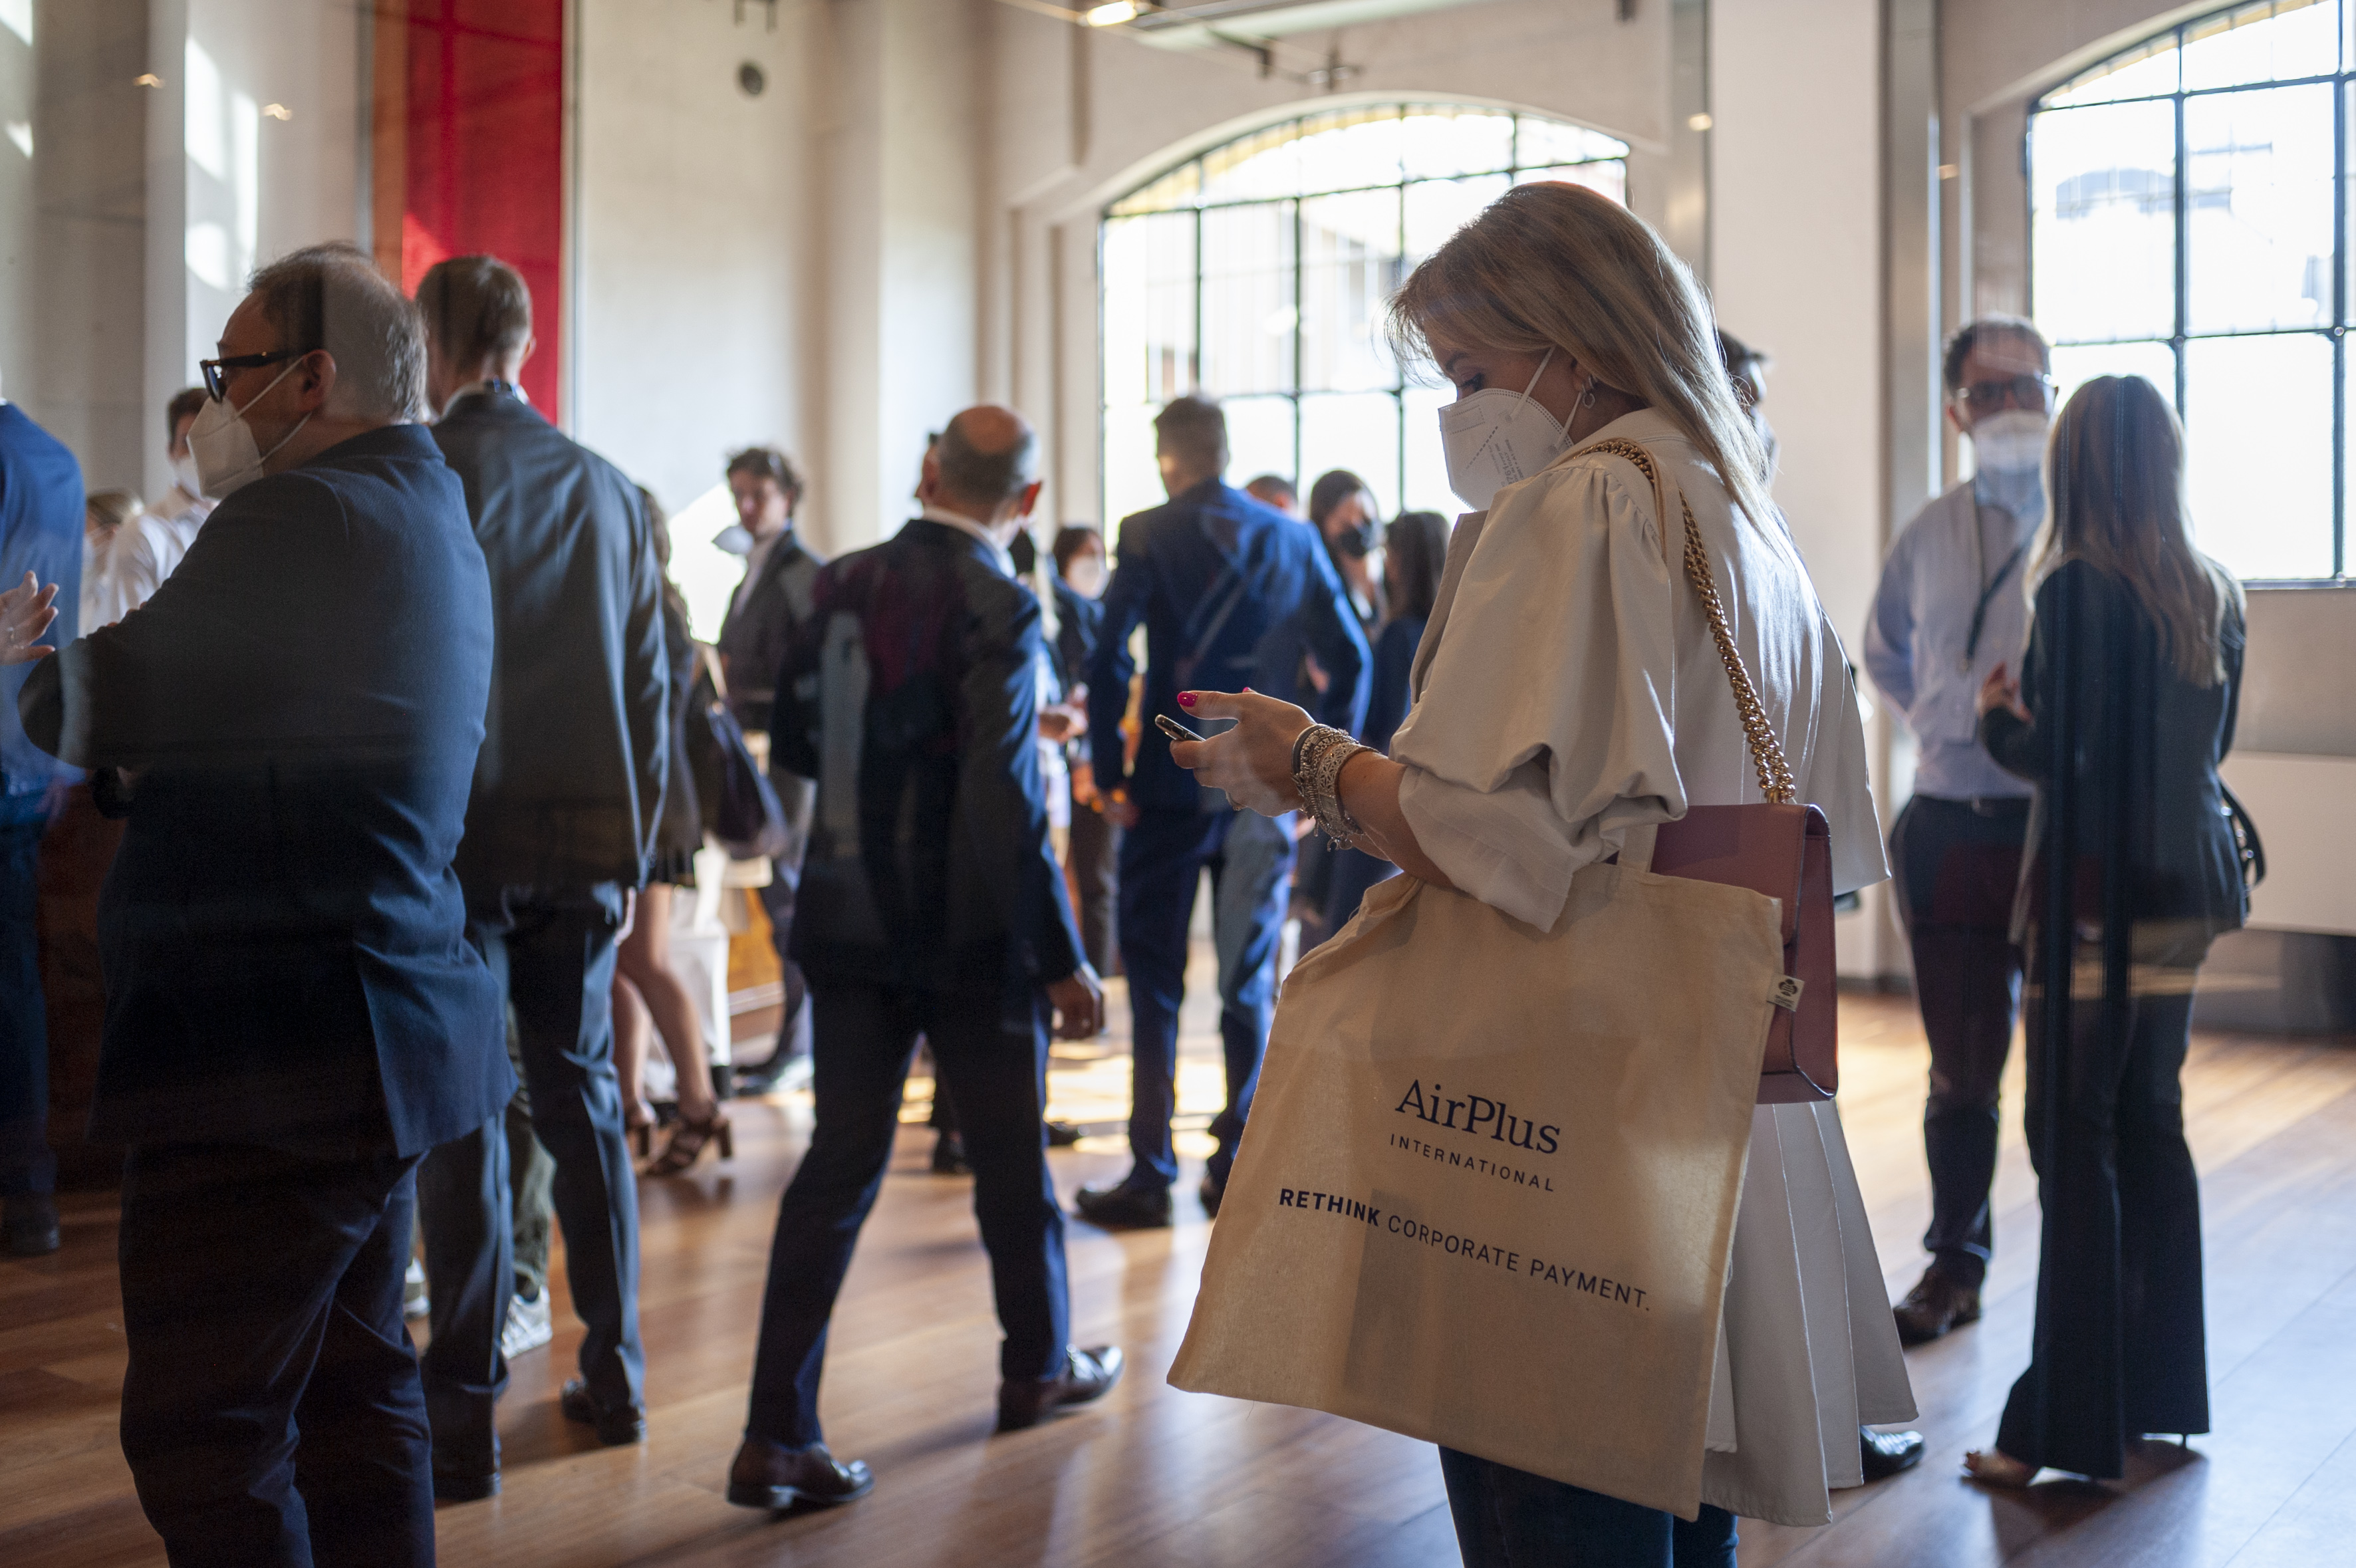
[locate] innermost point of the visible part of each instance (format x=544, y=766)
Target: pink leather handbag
x=1777, y=847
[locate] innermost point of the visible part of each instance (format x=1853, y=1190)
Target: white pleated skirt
x=1807, y=1351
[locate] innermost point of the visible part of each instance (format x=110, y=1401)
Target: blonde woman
x=2134, y=668
x=1570, y=695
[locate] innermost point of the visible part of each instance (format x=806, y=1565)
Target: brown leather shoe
x=771, y=1476
x=1086, y=1375
x=1937, y=1304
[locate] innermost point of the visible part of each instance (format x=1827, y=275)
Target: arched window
x=1257, y=272
x=2189, y=223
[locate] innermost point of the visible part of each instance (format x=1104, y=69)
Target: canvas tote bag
x=1488, y=1196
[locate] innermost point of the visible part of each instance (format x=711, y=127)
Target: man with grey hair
x=293, y=1012
x=931, y=904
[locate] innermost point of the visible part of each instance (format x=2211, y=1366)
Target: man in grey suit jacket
x=558, y=832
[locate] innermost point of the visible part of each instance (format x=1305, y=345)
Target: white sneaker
x=413, y=1304
x=529, y=1326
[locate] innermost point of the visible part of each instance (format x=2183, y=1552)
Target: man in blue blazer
x=1231, y=592
x=293, y=1012
x=41, y=534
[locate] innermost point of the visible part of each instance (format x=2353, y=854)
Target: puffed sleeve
x=1543, y=729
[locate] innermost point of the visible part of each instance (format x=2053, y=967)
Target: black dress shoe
x=1937, y=1302
x=770, y=1476
x=31, y=1224
x=1885, y=1454
x=454, y=1487
x=1212, y=1192
x=1086, y=1375
x=617, y=1428
x=1061, y=1135
x=1124, y=1208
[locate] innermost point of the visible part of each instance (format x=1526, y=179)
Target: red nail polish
x=1186, y=699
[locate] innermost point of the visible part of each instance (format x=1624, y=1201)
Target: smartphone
x=1172, y=728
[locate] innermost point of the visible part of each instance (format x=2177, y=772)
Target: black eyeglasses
x=2021, y=392
x=216, y=371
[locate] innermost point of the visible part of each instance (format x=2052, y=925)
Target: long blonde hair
x=1553, y=266
x=2114, y=471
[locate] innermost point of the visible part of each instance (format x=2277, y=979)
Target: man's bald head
x=986, y=460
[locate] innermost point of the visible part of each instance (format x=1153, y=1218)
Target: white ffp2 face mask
x=1495, y=438
x=2011, y=442
x=222, y=443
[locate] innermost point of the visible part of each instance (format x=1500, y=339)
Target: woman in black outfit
x=1415, y=548
x=644, y=984
x=2125, y=708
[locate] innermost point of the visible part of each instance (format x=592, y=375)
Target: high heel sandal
x=639, y=1125
x=688, y=1139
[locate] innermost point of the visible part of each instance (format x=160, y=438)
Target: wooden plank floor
x=1157, y=1478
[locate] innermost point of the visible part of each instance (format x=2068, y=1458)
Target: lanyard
x=1988, y=592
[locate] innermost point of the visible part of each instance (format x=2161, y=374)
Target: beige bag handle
x=1766, y=751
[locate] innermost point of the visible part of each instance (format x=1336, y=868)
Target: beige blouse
x=1577, y=693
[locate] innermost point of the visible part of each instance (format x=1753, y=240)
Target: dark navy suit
x=294, y=1011
x=1230, y=594
x=931, y=904
x=40, y=532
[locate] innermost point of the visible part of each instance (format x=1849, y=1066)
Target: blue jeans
x=992, y=1054
x=27, y=1165
x=1510, y=1519
x=1162, y=860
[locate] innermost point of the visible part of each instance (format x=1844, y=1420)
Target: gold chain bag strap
x=1779, y=848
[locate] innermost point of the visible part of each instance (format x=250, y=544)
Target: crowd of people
x=387, y=939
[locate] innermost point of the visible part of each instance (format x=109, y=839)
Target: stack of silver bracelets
x=1318, y=757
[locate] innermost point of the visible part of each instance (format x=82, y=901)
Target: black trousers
x=554, y=958
x=992, y=1055
x=27, y=1165
x=270, y=1412
x=1095, y=854
x=1958, y=863
x=2120, y=1346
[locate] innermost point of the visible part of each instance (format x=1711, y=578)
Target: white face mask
x=1495, y=438
x=184, y=473
x=2011, y=442
x=223, y=444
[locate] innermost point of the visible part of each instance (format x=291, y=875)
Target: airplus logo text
x=1479, y=1114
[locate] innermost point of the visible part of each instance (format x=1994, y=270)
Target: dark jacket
x=1387, y=704
x=282, y=934
x=40, y=532
x=762, y=620
x=2145, y=767
x=577, y=740
x=1230, y=592
x=1079, y=622
x=680, y=832
x=913, y=701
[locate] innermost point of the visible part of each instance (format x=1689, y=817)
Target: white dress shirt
x=145, y=551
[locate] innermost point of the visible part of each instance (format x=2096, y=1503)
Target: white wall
x=694, y=242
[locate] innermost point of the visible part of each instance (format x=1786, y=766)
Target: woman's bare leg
x=630, y=1052
x=644, y=959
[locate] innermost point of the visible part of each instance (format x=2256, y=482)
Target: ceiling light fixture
x=1111, y=14
x=147, y=79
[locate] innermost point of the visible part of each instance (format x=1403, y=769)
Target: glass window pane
x=2074, y=367
x=2140, y=72
x=1610, y=177
x=2258, y=414
x=1133, y=480
x=1426, y=468
x=1358, y=431
x=2273, y=40
x=2259, y=193
x=1266, y=163
x=1182, y=187
x=1350, y=267
x=1438, y=208
x=1260, y=439
x=1441, y=142
x=1148, y=308
x=1540, y=142
x=1351, y=148
x=2104, y=224
x=1248, y=311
